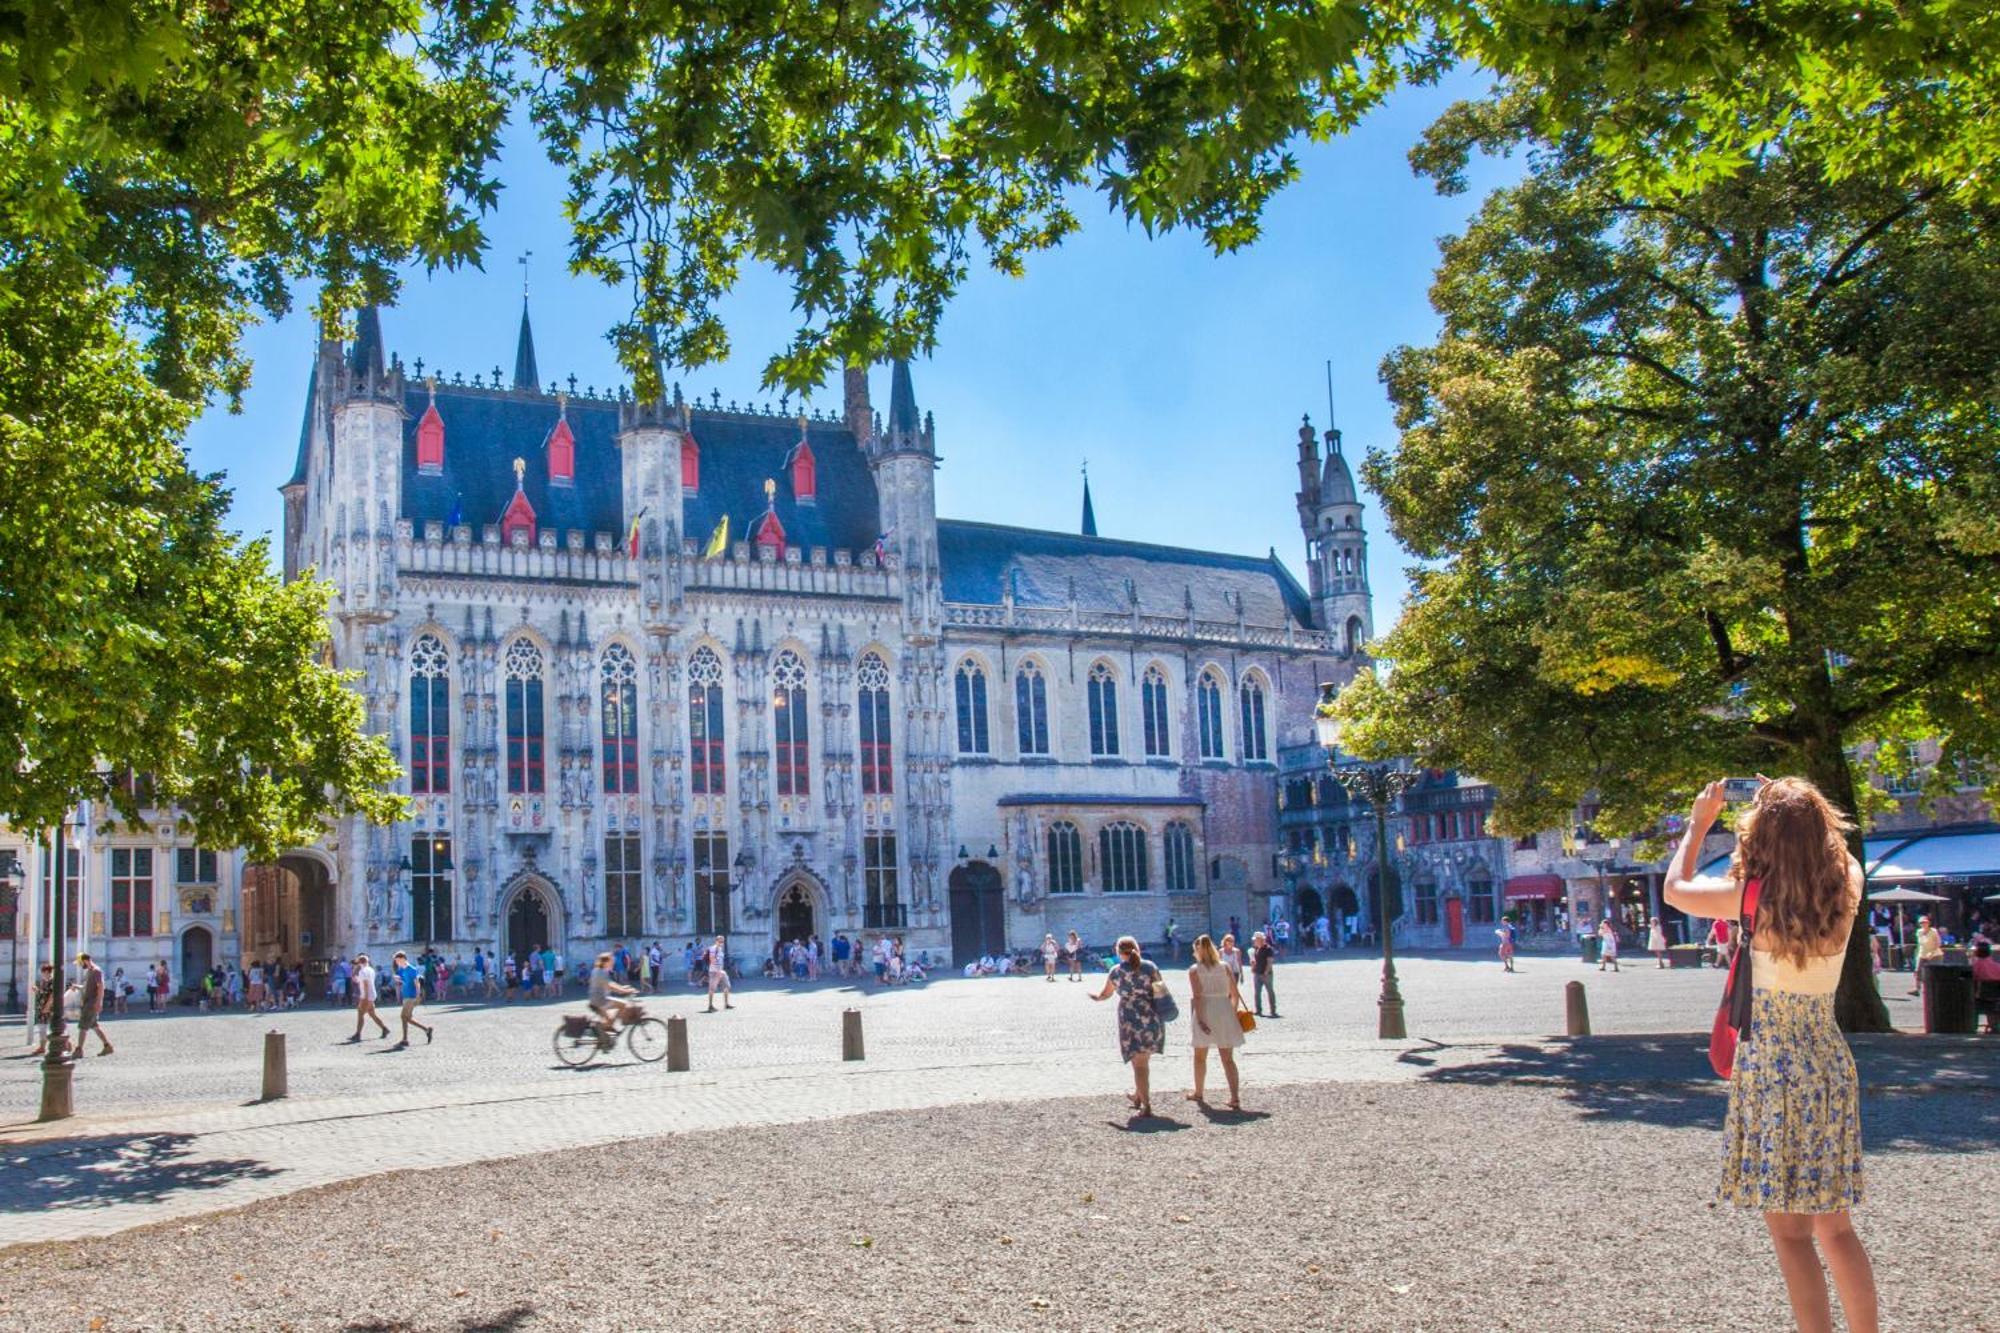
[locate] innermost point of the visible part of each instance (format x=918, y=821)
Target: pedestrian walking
x=1792, y=1136
x=1263, y=963
x=1073, y=950
x=1142, y=1034
x=90, y=984
x=1656, y=942
x=718, y=974
x=364, y=997
x=1173, y=945
x=1505, y=931
x=1930, y=948
x=1607, y=948
x=1050, y=951
x=46, y=1000
x=411, y=980
x=1232, y=958
x=1216, y=1027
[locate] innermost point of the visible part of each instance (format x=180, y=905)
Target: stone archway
x=799, y=910
x=288, y=912
x=978, y=914
x=528, y=915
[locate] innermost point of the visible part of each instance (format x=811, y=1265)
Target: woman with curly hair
x=1793, y=1132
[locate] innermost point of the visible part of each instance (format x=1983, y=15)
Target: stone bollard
x=677, y=1044
x=274, y=1065
x=1577, y=1009
x=850, y=1035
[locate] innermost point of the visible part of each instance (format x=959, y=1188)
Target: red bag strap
x=1746, y=915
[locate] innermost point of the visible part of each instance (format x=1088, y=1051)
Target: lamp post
x=1379, y=785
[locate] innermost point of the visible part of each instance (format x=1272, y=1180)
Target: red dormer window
x=519, y=516
x=430, y=441
x=805, y=473
x=690, y=465
x=770, y=532
x=562, y=454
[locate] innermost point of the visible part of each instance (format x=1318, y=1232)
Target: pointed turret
x=1089, y=514
x=364, y=358
x=525, y=376
x=1336, y=483
x=903, y=419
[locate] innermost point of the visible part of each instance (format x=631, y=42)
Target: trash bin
x=1593, y=948
x=1948, y=998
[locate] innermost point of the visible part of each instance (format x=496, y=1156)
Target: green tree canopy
x=1704, y=484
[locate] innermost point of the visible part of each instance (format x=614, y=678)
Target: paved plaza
x=992, y=1104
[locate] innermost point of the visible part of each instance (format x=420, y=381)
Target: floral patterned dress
x=1792, y=1139
x=1139, y=1025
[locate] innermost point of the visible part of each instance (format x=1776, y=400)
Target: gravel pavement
x=1546, y=1187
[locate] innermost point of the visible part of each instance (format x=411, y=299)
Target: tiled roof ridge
x=611, y=396
x=1102, y=543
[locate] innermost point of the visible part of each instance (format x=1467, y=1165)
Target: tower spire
x=903, y=418
x=1089, y=514
x=525, y=376
x=364, y=358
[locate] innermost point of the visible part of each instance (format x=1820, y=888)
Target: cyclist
x=602, y=988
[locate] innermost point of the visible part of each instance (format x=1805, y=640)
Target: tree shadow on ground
x=513, y=1317
x=113, y=1169
x=1918, y=1094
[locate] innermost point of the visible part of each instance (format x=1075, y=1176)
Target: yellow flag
x=718, y=542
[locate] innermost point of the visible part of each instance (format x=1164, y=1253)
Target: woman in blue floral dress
x=1793, y=1133
x=1141, y=1032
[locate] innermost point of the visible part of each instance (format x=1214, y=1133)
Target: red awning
x=1536, y=886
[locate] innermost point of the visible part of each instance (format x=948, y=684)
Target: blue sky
x=1179, y=375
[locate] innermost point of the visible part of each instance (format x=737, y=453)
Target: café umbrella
x=1900, y=896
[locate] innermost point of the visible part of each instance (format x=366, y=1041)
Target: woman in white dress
x=1216, y=1000
x=1049, y=955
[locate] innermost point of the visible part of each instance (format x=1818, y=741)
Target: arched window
x=972, y=709
x=1177, y=852
x=705, y=722
x=1252, y=695
x=1103, y=696
x=620, y=708
x=524, y=717
x=1121, y=857
x=1031, y=709
x=430, y=716
x=788, y=712
x=1353, y=635
x=1208, y=714
x=1153, y=710
x=872, y=677
x=1065, y=858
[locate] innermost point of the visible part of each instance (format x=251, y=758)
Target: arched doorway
x=1311, y=906
x=978, y=913
x=288, y=914
x=197, y=955
x=797, y=914
x=528, y=922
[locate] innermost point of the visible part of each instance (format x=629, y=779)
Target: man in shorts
x=364, y=997
x=411, y=979
x=718, y=974
x=90, y=979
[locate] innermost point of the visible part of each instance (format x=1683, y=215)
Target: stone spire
x=902, y=401
x=525, y=376
x=1089, y=514
x=364, y=358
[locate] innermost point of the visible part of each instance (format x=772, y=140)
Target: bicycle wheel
x=647, y=1040
x=575, y=1051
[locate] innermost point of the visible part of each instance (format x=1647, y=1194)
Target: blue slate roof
x=982, y=561
x=485, y=430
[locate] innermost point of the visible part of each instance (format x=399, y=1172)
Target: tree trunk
x=1857, y=1004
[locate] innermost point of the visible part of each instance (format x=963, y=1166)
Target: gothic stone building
x=662, y=670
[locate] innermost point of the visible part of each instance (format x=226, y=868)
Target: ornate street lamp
x=1381, y=786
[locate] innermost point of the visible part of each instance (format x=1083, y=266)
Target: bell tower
x=1336, y=542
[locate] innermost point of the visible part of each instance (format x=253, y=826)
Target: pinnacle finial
x=520, y=472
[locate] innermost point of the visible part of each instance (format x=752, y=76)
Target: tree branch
x=1835, y=273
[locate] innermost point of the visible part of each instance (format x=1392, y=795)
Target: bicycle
x=579, y=1040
